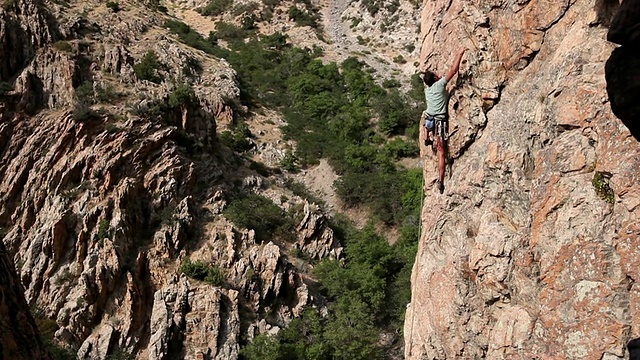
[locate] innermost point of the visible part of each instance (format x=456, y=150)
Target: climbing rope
x=413, y=309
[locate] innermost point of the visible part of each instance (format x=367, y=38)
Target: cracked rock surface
x=532, y=250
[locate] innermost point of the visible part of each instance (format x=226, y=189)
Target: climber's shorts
x=429, y=121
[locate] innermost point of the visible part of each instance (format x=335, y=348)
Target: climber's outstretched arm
x=455, y=66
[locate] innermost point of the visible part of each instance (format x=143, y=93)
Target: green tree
x=181, y=98
x=147, y=68
x=192, y=38
x=114, y=6
x=303, y=339
x=215, y=7
x=84, y=93
x=398, y=148
x=258, y=213
x=262, y=347
x=351, y=332
x=396, y=114
x=302, y=17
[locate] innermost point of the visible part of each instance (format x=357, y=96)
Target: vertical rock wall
x=532, y=250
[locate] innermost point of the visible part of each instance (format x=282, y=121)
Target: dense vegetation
x=367, y=293
x=329, y=111
x=259, y=213
x=338, y=112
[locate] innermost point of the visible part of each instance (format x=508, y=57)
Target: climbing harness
x=438, y=124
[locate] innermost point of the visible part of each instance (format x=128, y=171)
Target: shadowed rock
x=625, y=26
x=19, y=337
x=622, y=70
x=634, y=349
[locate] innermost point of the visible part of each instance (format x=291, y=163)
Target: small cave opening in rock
x=605, y=10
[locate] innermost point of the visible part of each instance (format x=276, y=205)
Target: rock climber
x=436, y=119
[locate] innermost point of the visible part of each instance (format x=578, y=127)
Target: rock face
x=25, y=27
x=19, y=338
x=531, y=252
x=108, y=181
x=623, y=67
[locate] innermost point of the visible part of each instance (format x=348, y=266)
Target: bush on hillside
x=147, y=68
x=399, y=59
x=231, y=32
x=235, y=141
x=245, y=9
x=156, y=6
x=83, y=112
x=215, y=7
x=192, y=38
x=183, y=95
x=107, y=94
x=289, y=162
x=203, y=272
x=395, y=114
x=301, y=190
x=390, y=83
x=259, y=213
x=63, y=46
x=84, y=92
x=398, y=148
x=238, y=138
x=303, y=339
x=302, y=17
x=114, y=6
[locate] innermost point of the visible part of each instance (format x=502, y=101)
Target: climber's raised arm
x=455, y=66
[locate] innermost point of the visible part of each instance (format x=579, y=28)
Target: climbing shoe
x=428, y=142
x=440, y=187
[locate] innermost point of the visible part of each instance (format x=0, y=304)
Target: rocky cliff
x=531, y=252
x=113, y=175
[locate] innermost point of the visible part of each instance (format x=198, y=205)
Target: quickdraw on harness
x=441, y=125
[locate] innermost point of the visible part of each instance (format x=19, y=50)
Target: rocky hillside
x=121, y=207
x=531, y=252
x=114, y=182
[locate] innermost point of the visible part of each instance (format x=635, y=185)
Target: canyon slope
x=113, y=178
x=114, y=181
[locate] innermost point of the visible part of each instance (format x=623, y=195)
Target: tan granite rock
x=521, y=258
